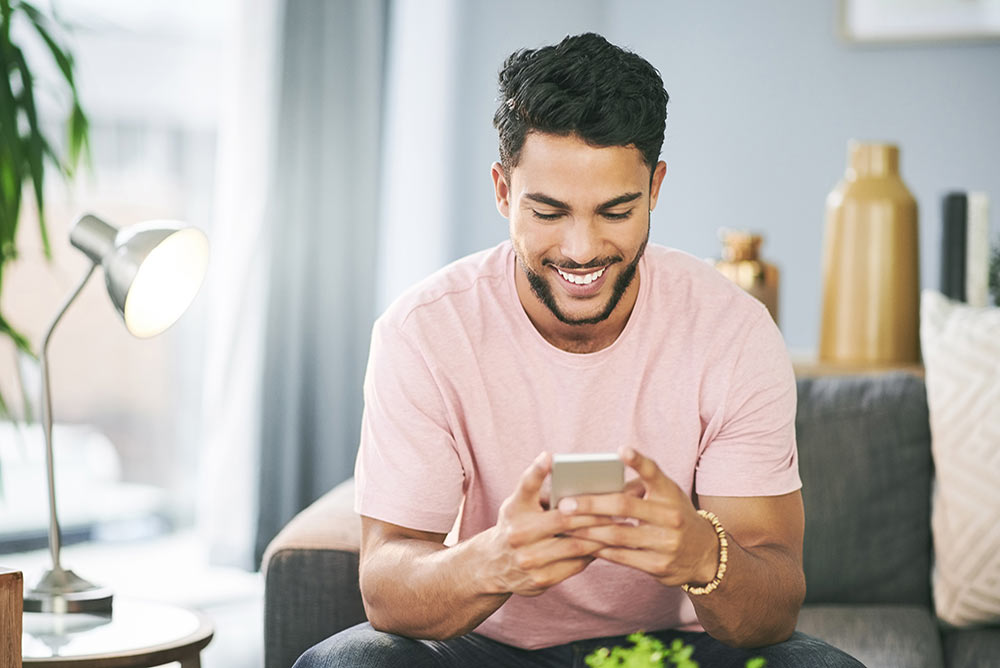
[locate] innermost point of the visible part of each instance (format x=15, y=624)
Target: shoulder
x=456, y=291
x=693, y=287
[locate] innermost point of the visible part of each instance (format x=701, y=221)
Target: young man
x=575, y=337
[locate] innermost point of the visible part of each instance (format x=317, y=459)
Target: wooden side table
x=11, y=598
x=136, y=635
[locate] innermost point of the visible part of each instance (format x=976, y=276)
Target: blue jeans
x=362, y=646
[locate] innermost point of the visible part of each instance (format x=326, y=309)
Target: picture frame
x=919, y=20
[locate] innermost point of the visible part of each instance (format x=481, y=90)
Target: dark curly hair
x=584, y=86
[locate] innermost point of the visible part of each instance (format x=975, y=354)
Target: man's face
x=579, y=221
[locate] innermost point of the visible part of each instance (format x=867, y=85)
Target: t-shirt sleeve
x=408, y=471
x=753, y=451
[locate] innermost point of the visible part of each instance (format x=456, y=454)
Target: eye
x=545, y=216
x=617, y=216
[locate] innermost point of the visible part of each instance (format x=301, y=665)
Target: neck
x=579, y=339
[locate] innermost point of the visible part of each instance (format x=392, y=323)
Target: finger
x=551, y=575
x=650, y=511
x=641, y=537
x=635, y=487
x=657, y=565
x=530, y=483
x=543, y=553
x=655, y=480
x=534, y=527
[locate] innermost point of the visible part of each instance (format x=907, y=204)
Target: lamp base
x=63, y=591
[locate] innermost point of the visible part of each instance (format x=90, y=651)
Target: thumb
x=654, y=480
x=530, y=483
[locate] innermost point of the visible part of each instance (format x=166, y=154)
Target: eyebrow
x=553, y=202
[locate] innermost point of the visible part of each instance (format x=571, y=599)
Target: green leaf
x=63, y=60
x=4, y=411
x=756, y=662
x=34, y=149
x=598, y=658
x=79, y=133
x=5, y=24
x=77, y=123
x=20, y=340
x=11, y=161
x=54, y=158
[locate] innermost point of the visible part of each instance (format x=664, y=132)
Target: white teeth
x=586, y=279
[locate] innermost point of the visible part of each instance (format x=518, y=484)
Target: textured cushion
x=883, y=636
x=311, y=578
x=972, y=648
x=864, y=458
x=961, y=347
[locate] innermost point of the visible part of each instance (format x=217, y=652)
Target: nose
x=579, y=243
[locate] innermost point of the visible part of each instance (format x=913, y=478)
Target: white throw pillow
x=961, y=350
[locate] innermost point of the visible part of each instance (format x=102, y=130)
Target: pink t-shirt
x=462, y=393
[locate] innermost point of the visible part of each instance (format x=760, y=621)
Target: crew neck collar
x=564, y=356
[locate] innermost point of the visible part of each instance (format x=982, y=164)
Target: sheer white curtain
x=234, y=346
x=292, y=298
x=420, y=112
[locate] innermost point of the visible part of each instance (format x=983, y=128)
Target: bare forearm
x=757, y=603
x=412, y=585
x=422, y=590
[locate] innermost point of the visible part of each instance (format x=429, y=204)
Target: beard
x=543, y=290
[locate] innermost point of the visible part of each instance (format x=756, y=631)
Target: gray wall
x=764, y=97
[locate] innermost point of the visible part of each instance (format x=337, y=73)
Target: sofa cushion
x=865, y=463
x=961, y=346
x=879, y=636
x=972, y=648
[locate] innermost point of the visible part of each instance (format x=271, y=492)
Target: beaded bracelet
x=723, y=557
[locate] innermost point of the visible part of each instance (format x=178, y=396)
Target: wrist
x=708, y=569
x=713, y=569
x=482, y=554
x=709, y=563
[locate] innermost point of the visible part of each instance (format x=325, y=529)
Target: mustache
x=593, y=264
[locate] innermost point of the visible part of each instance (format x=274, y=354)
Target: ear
x=501, y=189
x=654, y=187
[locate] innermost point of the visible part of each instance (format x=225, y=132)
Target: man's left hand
x=662, y=534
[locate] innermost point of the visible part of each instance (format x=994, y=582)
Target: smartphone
x=574, y=474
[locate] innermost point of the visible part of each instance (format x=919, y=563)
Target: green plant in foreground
x=24, y=148
x=648, y=652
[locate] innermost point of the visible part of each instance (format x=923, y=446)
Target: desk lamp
x=153, y=271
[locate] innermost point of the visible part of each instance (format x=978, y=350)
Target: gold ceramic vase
x=870, y=263
x=742, y=265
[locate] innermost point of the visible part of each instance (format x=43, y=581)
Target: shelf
x=810, y=367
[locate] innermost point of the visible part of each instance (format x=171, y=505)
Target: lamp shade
x=152, y=269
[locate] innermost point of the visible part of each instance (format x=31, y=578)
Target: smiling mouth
x=581, y=279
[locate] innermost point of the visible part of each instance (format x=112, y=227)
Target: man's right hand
x=450, y=591
x=526, y=553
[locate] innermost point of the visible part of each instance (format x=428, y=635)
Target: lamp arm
x=54, y=537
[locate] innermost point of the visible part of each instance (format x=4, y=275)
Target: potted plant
x=649, y=652
x=25, y=150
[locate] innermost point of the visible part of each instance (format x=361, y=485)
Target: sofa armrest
x=311, y=577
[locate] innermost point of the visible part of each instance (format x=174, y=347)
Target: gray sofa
x=865, y=462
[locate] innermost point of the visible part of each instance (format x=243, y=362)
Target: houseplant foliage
x=649, y=652
x=25, y=150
